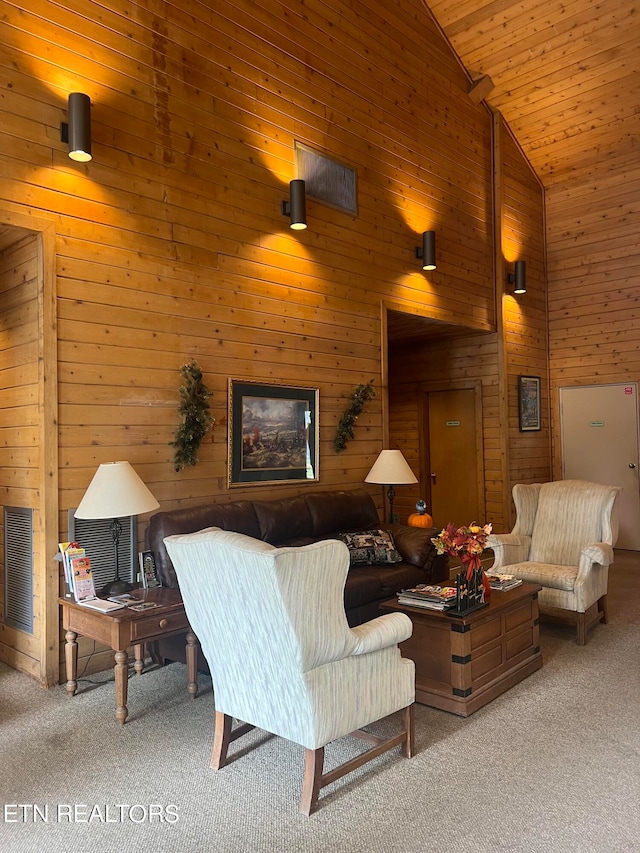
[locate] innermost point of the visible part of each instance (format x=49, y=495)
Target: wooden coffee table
x=462, y=663
x=123, y=628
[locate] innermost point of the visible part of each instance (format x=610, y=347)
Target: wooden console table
x=123, y=628
x=462, y=663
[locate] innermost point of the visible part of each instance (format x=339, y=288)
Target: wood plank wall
x=171, y=241
x=495, y=360
x=19, y=430
x=594, y=280
x=525, y=316
x=170, y=244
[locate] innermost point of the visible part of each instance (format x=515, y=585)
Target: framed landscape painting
x=529, y=403
x=273, y=433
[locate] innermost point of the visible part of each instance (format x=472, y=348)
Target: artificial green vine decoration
x=196, y=416
x=344, y=432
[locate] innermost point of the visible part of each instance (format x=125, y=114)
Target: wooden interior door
x=453, y=456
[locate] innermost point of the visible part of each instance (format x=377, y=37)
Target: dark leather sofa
x=301, y=520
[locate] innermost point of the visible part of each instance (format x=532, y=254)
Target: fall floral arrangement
x=467, y=543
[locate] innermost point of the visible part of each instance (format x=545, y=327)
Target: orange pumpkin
x=421, y=517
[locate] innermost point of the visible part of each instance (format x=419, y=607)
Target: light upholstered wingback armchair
x=563, y=540
x=272, y=626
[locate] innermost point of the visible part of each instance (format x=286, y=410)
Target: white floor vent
x=18, y=568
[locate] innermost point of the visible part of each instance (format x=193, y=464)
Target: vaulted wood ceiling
x=563, y=73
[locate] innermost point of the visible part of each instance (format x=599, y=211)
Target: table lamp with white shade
x=115, y=491
x=391, y=469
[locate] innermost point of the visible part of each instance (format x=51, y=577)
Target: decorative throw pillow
x=370, y=547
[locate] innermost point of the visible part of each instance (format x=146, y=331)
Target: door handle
x=631, y=465
x=433, y=477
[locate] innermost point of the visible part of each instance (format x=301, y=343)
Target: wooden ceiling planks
x=564, y=75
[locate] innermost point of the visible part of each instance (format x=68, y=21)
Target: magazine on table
x=83, y=586
x=424, y=603
x=430, y=596
x=126, y=598
x=498, y=580
x=101, y=604
x=79, y=578
x=69, y=551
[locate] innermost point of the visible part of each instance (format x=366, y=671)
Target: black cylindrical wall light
x=427, y=252
x=519, y=277
x=296, y=207
x=77, y=132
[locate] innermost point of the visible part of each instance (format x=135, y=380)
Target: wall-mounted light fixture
x=427, y=252
x=296, y=207
x=519, y=277
x=77, y=131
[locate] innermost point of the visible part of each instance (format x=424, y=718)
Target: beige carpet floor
x=552, y=765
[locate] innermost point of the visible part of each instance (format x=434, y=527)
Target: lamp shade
x=391, y=468
x=115, y=491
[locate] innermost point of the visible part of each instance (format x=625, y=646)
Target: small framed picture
x=529, y=403
x=148, y=577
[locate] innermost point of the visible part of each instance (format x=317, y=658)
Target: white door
x=599, y=425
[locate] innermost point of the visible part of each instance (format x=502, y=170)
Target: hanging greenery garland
x=196, y=416
x=344, y=432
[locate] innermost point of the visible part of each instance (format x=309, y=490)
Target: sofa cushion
x=297, y=542
x=393, y=579
x=412, y=544
x=341, y=510
x=366, y=584
x=370, y=547
x=362, y=586
x=545, y=574
x=282, y=521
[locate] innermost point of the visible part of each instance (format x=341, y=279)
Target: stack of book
x=501, y=581
x=431, y=597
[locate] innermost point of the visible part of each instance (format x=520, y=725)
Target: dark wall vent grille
x=94, y=535
x=18, y=568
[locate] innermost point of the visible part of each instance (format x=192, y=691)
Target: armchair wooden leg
x=314, y=778
x=581, y=637
x=313, y=764
x=221, y=740
x=223, y=736
x=603, y=609
x=408, y=716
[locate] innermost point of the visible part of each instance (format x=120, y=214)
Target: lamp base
x=116, y=587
